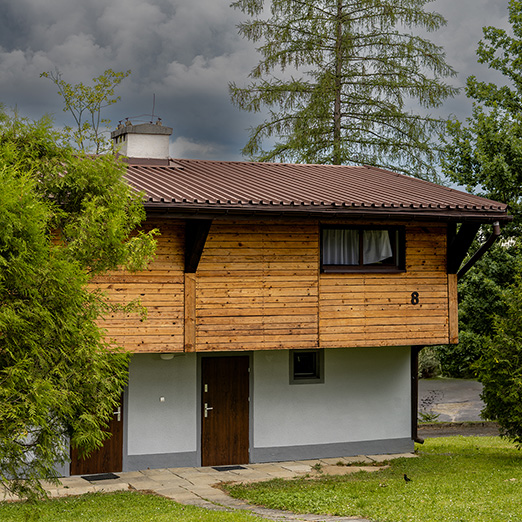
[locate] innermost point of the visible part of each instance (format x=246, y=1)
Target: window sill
x=361, y=269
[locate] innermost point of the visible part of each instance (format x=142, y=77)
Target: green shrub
x=429, y=362
x=500, y=369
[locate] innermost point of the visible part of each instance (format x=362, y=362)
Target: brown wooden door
x=109, y=457
x=224, y=410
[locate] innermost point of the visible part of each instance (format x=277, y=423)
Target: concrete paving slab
x=356, y=460
x=177, y=493
x=283, y=474
x=268, y=468
x=111, y=488
x=298, y=467
x=331, y=461
x=70, y=482
x=143, y=483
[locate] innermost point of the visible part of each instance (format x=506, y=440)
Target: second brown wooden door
x=109, y=457
x=224, y=410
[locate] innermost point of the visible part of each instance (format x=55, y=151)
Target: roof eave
x=278, y=211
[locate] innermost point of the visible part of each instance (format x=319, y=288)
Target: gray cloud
x=183, y=51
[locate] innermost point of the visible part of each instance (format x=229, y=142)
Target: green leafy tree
x=339, y=78
x=64, y=218
x=85, y=103
x=485, y=153
x=500, y=368
x=481, y=299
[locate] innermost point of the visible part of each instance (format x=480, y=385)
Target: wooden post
x=190, y=313
x=453, y=309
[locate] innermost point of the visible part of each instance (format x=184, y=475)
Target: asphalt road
x=454, y=406
x=451, y=400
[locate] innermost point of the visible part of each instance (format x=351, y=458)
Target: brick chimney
x=145, y=140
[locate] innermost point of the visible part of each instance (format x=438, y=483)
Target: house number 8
x=414, y=298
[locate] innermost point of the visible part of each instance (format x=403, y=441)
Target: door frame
x=199, y=384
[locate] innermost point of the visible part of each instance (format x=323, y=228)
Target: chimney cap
x=141, y=128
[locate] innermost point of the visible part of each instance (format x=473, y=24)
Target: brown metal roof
x=214, y=187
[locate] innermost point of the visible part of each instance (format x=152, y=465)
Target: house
x=286, y=308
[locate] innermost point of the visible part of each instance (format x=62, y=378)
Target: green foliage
x=485, y=154
x=500, y=368
x=85, y=103
x=64, y=218
x=339, y=80
x=429, y=363
x=465, y=479
x=481, y=298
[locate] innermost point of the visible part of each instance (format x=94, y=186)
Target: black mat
x=227, y=468
x=100, y=476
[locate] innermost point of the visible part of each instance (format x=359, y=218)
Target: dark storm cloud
x=183, y=51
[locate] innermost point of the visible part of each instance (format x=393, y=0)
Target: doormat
x=227, y=468
x=100, y=476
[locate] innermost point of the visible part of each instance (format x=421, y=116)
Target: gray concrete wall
x=153, y=426
x=363, y=406
x=365, y=396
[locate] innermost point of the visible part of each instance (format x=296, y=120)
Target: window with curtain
x=364, y=248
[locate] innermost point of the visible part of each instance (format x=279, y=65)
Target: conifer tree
x=340, y=78
x=64, y=218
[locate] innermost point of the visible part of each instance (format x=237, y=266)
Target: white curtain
x=376, y=246
x=340, y=246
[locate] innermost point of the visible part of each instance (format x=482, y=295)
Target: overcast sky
x=183, y=51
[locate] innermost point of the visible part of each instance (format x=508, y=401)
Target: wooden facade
x=258, y=286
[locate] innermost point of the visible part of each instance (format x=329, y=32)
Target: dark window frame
x=315, y=377
x=397, y=265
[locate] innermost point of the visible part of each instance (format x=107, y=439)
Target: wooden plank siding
x=160, y=289
x=258, y=286
x=376, y=309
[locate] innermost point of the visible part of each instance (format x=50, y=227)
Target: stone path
x=197, y=486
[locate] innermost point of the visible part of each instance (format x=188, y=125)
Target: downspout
x=481, y=251
x=415, y=350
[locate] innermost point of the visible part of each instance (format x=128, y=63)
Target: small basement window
x=362, y=249
x=306, y=366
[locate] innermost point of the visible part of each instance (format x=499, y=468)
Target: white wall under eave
x=365, y=396
x=154, y=426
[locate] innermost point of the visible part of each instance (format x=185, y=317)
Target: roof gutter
x=481, y=251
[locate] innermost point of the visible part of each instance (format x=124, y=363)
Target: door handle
x=207, y=408
x=117, y=413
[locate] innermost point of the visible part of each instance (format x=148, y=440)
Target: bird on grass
x=406, y=478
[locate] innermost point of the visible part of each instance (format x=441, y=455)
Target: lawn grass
x=127, y=506
x=457, y=479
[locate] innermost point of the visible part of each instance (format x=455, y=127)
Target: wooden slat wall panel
x=376, y=310
x=257, y=287
x=160, y=289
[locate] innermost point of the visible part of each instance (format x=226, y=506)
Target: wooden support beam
x=453, y=309
x=459, y=243
x=190, y=313
x=196, y=232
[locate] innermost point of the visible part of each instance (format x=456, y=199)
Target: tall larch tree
x=340, y=79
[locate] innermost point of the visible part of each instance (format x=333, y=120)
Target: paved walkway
x=197, y=486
